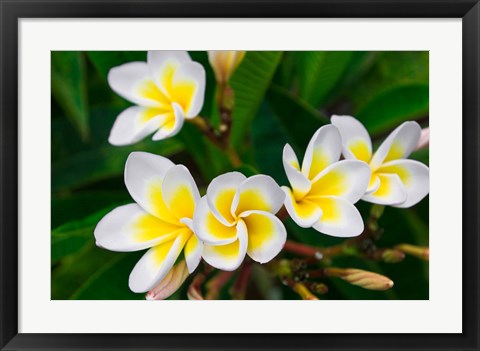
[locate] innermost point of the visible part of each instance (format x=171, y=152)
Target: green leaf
x=392, y=107
x=110, y=281
x=103, y=61
x=250, y=83
x=407, y=226
x=69, y=89
x=389, y=70
x=320, y=72
x=91, y=166
x=95, y=274
x=269, y=138
x=199, y=150
x=75, y=206
x=299, y=119
x=73, y=236
x=247, y=170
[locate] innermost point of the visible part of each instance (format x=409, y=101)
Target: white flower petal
x=390, y=192
x=339, y=218
x=188, y=222
x=188, y=88
x=266, y=235
x=299, y=182
x=228, y=257
x=130, y=228
x=209, y=229
x=144, y=173
x=171, y=125
x=220, y=194
x=347, y=179
x=259, y=192
x=135, y=123
x=373, y=184
x=324, y=148
x=356, y=142
x=162, y=66
x=133, y=82
x=303, y=212
x=399, y=144
x=180, y=192
x=156, y=263
x=193, y=253
x=414, y=175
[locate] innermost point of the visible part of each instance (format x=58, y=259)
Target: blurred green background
x=280, y=97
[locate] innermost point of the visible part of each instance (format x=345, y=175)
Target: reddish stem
x=300, y=249
x=216, y=283
x=240, y=287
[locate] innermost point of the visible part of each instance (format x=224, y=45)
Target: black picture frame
x=12, y=11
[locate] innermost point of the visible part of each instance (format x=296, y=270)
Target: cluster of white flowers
x=237, y=215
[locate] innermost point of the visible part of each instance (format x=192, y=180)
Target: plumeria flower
x=324, y=189
x=395, y=180
x=166, y=89
x=224, y=63
x=237, y=217
x=161, y=219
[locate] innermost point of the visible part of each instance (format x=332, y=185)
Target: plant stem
x=300, y=289
x=240, y=287
x=216, y=283
x=233, y=156
x=307, y=250
x=207, y=129
x=194, y=291
x=218, y=139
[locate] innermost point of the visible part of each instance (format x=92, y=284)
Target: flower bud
x=392, y=256
x=224, y=64
x=319, y=288
x=424, y=139
x=364, y=279
x=172, y=281
x=420, y=252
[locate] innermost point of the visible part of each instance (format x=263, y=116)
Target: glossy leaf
x=299, y=119
x=319, y=72
x=250, y=83
x=92, y=166
x=103, y=61
x=95, y=273
x=67, y=207
x=69, y=89
x=73, y=236
x=390, y=108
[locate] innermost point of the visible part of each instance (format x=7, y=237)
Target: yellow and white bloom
x=166, y=89
x=395, y=180
x=161, y=219
x=237, y=217
x=324, y=189
x=224, y=63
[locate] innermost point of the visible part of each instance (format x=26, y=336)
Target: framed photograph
x=238, y=175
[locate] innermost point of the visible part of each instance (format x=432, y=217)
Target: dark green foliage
x=280, y=97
